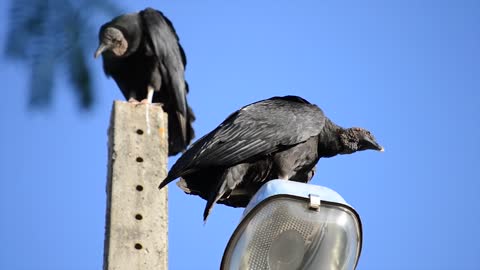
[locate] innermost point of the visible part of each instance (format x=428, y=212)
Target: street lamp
x=289, y=225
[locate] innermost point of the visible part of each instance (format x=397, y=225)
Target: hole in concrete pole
x=139, y=159
x=139, y=188
x=139, y=131
x=138, y=246
x=138, y=217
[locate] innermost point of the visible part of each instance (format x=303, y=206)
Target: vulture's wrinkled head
x=111, y=39
x=358, y=139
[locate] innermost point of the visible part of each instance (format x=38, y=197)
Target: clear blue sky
x=407, y=70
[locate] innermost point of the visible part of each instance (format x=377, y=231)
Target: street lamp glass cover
x=289, y=225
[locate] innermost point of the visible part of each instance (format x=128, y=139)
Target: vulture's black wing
x=182, y=52
x=257, y=129
x=166, y=47
x=172, y=62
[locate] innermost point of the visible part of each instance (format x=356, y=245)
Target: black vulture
x=276, y=138
x=141, y=51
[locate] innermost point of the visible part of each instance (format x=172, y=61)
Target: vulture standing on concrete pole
x=141, y=51
x=277, y=138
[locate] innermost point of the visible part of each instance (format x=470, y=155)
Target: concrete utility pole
x=136, y=231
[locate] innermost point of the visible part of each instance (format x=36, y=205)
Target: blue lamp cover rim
x=303, y=190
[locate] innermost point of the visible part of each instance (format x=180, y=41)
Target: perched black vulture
x=141, y=51
x=277, y=138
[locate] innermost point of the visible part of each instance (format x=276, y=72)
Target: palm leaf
x=51, y=34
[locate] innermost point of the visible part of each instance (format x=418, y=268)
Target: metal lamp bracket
x=314, y=202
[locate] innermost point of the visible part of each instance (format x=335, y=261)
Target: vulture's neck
x=329, y=144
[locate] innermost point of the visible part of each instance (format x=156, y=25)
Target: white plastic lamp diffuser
x=289, y=225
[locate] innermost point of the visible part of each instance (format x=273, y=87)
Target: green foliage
x=52, y=36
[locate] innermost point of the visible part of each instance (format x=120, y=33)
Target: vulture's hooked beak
x=101, y=48
x=378, y=147
x=370, y=143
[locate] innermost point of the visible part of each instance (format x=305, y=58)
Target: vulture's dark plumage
x=277, y=138
x=141, y=51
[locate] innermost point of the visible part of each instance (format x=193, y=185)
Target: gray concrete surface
x=136, y=230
